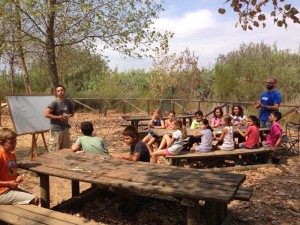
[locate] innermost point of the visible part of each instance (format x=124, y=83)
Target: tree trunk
x=50, y=44
x=12, y=73
x=21, y=51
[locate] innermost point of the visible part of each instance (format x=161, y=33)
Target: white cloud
x=208, y=35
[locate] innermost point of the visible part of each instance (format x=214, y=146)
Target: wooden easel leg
x=33, y=146
x=45, y=144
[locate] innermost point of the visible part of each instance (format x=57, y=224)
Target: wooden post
x=221, y=211
x=192, y=211
x=148, y=106
x=75, y=188
x=198, y=105
x=44, y=190
x=210, y=213
x=172, y=106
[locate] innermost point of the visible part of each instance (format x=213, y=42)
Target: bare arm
x=75, y=147
x=48, y=114
x=243, y=134
x=135, y=157
x=224, y=132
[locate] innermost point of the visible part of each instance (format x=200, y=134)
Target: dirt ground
x=275, y=200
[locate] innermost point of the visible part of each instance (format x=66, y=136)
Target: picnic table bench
x=193, y=155
x=35, y=215
x=217, y=189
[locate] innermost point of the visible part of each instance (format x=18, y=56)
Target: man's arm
x=274, y=107
x=48, y=114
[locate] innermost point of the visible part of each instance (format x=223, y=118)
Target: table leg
x=44, y=190
x=221, y=211
x=75, y=188
x=193, y=215
x=210, y=215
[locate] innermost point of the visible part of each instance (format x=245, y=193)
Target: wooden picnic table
x=134, y=120
x=217, y=189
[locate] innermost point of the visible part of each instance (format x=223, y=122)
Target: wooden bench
x=192, y=155
x=35, y=215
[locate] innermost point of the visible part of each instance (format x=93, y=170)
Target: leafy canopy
x=251, y=12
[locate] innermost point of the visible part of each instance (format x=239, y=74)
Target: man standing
x=269, y=101
x=59, y=111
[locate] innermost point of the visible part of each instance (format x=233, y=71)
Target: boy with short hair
x=196, y=125
x=88, y=142
x=10, y=194
x=138, y=149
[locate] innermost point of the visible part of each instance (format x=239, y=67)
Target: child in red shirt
x=252, y=133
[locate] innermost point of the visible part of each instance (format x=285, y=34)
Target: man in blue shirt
x=269, y=101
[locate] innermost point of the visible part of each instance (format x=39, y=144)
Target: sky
x=197, y=25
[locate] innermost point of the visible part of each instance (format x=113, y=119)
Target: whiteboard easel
x=27, y=113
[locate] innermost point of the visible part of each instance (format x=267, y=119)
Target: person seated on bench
x=174, y=143
x=195, y=125
x=252, y=133
x=275, y=131
x=170, y=120
x=206, y=135
x=238, y=119
x=155, y=122
x=217, y=117
x=138, y=149
x=89, y=142
x=226, y=135
x=10, y=194
x=273, y=139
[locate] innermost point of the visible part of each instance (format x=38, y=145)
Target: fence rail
x=183, y=106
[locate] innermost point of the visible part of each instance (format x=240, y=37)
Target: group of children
x=142, y=150
x=251, y=138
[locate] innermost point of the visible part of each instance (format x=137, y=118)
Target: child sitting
x=170, y=120
x=226, y=135
x=195, y=125
x=88, y=142
x=155, y=122
x=273, y=138
x=206, y=137
x=238, y=119
x=216, y=120
x=174, y=144
x=252, y=133
x=10, y=194
x=138, y=149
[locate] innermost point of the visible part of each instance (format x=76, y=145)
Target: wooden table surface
x=139, y=176
x=217, y=189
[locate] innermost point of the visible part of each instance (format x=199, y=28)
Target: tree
x=251, y=13
x=125, y=26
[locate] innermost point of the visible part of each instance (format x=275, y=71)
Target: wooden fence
x=182, y=106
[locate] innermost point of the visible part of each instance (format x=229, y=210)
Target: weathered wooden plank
x=31, y=215
x=220, y=153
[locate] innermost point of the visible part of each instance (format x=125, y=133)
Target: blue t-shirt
x=269, y=98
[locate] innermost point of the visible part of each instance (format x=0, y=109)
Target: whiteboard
x=27, y=113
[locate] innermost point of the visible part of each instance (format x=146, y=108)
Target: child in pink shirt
x=252, y=133
x=275, y=131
